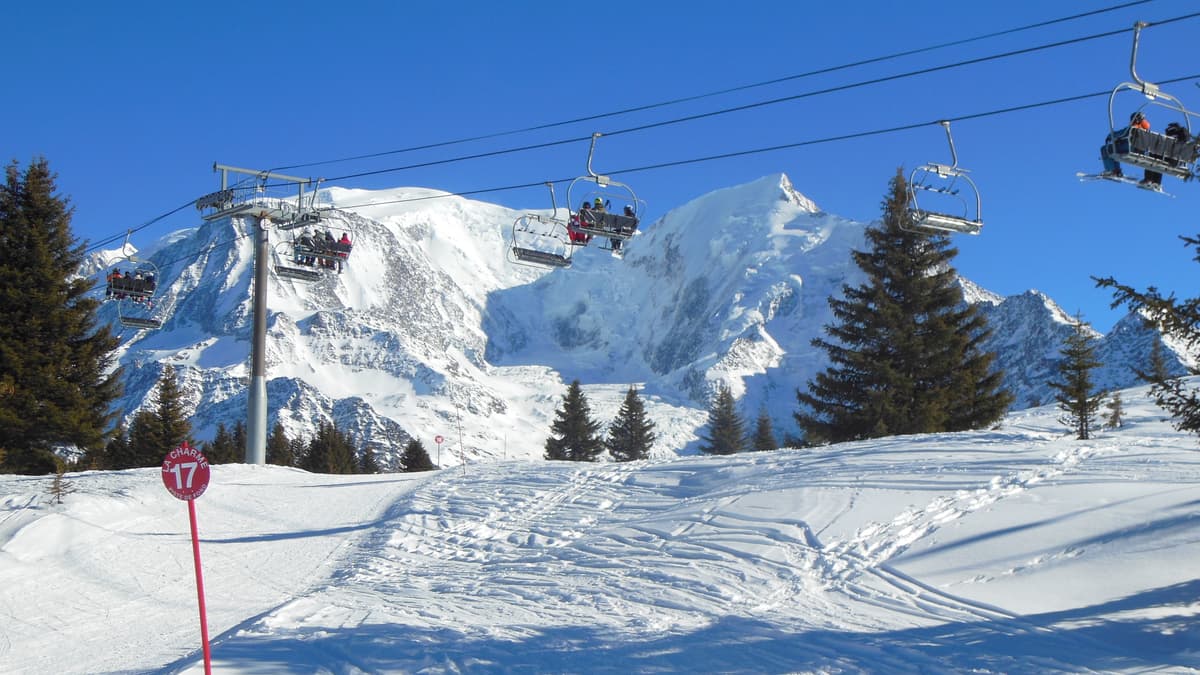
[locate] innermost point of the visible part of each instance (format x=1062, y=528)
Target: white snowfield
x=1018, y=549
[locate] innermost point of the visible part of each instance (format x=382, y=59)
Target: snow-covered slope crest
x=1017, y=549
x=429, y=330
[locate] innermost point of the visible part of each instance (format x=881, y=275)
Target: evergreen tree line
x=904, y=350
x=154, y=431
x=576, y=437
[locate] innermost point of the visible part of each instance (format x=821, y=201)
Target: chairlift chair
x=134, y=290
x=610, y=193
x=308, y=256
x=1149, y=149
x=950, y=181
x=541, y=241
x=127, y=315
x=295, y=259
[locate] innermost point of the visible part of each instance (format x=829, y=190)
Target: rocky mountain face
x=431, y=331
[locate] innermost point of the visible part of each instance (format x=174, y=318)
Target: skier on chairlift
x=1111, y=166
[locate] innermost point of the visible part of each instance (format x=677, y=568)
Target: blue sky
x=132, y=102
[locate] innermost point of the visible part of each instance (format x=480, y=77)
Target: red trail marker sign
x=185, y=474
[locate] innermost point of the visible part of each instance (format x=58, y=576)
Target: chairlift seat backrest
x=607, y=224
x=1152, y=150
x=133, y=287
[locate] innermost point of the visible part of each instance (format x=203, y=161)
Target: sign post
x=185, y=474
x=438, y=439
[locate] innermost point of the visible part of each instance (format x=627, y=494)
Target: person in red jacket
x=579, y=238
x=343, y=250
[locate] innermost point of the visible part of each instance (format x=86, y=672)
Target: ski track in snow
x=464, y=546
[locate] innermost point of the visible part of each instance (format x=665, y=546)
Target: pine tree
x=1179, y=318
x=344, y=453
x=905, y=350
x=299, y=450
x=116, y=453
x=239, y=439
x=1156, y=371
x=57, y=384
x=631, y=435
x=368, y=463
x=145, y=442
x=171, y=416
x=764, y=435
x=1116, y=412
x=279, y=448
x=156, y=432
x=60, y=487
x=574, y=434
x=315, y=457
x=415, y=458
x=222, y=449
x=726, y=430
x=330, y=452
x=1076, y=395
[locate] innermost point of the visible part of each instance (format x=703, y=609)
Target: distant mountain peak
x=789, y=194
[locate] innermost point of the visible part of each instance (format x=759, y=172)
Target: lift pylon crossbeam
x=253, y=200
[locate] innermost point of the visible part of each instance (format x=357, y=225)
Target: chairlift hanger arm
x=553, y=199
x=950, y=139
x=1137, y=34
x=312, y=203
x=602, y=181
x=125, y=248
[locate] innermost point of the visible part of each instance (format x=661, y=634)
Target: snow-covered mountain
x=430, y=331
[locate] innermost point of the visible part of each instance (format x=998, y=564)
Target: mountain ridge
x=429, y=331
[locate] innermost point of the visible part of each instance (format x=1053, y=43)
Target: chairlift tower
x=253, y=202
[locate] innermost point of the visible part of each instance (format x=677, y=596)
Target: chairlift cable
x=729, y=90
x=888, y=78
x=786, y=146
x=117, y=237
x=759, y=104
x=682, y=162
x=735, y=109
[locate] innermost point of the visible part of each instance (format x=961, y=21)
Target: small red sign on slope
x=185, y=472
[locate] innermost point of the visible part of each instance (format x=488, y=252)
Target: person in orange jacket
x=1111, y=166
